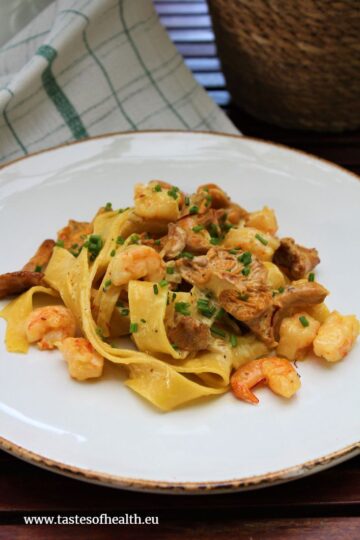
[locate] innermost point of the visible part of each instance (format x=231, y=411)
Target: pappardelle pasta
x=210, y=297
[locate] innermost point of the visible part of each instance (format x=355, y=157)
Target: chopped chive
x=227, y=226
x=119, y=303
x=304, y=321
x=143, y=321
x=174, y=346
x=94, y=245
x=245, y=271
x=112, y=253
x=38, y=268
x=205, y=308
x=157, y=188
x=182, y=307
x=121, y=210
x=194, y=210
x=173, y=192
x=124, y=312
x=311, y=276
x=233, y=340
x=133, y=328
x=107, y=284
x=243, y=297
x=186, y=255
x=74, y=246
x=245, y=258
x=173, y=296
x=187, y=201
x=99, y=331
x=220, y=314
x=134, y=239
x=170, y=270
x=215, y=241
x=208, y=199
x=60, y=243
x=163, y=283
x=120, y=240
x=261, y=239
x=216, y=331
x=156, y=289
x=198, y=228
x=108, y=207
x=233, y=251
x=213, y=230
x=157, y=242
x=281, y=290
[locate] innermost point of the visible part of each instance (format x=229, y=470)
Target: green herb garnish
x=304, y=321
x=261, y=239
x=198, y=228
x=182, y=307
x=218, y=332
x=245, y=258
x=205, y=308
x=94, y=245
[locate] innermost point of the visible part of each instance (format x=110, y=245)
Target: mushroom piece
x=296, y=260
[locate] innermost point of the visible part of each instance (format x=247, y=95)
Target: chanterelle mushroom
x=296, y=260
x=239, y=285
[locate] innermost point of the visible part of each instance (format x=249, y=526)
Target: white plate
x=103, y=432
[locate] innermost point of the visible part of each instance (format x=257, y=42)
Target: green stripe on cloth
x=58, y=97
x=143, y=65
x=102, y=69
x=10, y=126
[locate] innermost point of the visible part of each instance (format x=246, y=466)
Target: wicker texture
x=294, y=63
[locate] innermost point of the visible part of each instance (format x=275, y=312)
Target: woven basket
x=294, y=63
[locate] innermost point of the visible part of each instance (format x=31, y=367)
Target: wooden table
x=326, y=505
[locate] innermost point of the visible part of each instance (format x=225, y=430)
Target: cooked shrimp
x=216, y=196
x=49, y=324
x=297, y=334
x=278, y=373
x=158, y=201
x=136, y=262
x=336, y=336
x=197, y=237
x=261, y=244
x=264, y=220
x=82, y=359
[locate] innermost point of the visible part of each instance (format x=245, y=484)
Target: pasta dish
x=191, y=294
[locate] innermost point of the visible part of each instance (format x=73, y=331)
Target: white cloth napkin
x=81, y=68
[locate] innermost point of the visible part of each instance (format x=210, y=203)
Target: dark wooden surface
x=324, y=506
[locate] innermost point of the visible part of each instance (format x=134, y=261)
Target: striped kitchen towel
x=81, y=68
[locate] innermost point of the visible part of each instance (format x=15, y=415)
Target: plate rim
x=138, y=484
x=183, y=488
x=184, y=131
